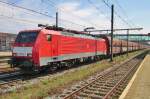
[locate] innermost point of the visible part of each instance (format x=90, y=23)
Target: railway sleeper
x=99, y=88
x=93, y=89
x=105, y=88
x=96, y=92
x=95, y=86
x=90, y=96
x=111, y=82
x=109, y=85
x=87, y=91
x=98, y=84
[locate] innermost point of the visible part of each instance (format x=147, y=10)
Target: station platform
x=139, y=85
x=5, y=53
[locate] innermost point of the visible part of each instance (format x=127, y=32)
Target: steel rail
x=10, y=74
x=123, y=78
x=98, y=78
x=10, y=82
x=9, y=78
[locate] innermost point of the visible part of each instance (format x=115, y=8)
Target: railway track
x=9, y=74
x=4, y=64
x=4, y=59
x=108, y=85
x=6, y=78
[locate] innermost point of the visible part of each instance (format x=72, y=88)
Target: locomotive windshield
x=27, y=37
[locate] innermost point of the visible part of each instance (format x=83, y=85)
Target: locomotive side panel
x=75, y=47
x=101, y=47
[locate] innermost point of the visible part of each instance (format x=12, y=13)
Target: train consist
x=51, y=48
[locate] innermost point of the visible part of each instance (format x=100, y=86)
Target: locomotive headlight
x=29, y=54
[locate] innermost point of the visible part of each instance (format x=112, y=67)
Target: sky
x=74, y=14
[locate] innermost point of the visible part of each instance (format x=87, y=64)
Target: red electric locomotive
x=34, y=49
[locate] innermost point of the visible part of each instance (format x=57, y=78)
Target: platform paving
x=139, y=85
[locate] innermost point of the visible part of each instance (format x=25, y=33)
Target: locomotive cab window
x=49, y=37
x=27, y=37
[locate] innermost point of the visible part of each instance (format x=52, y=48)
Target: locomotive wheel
x=54, y=67
x=69, y=64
